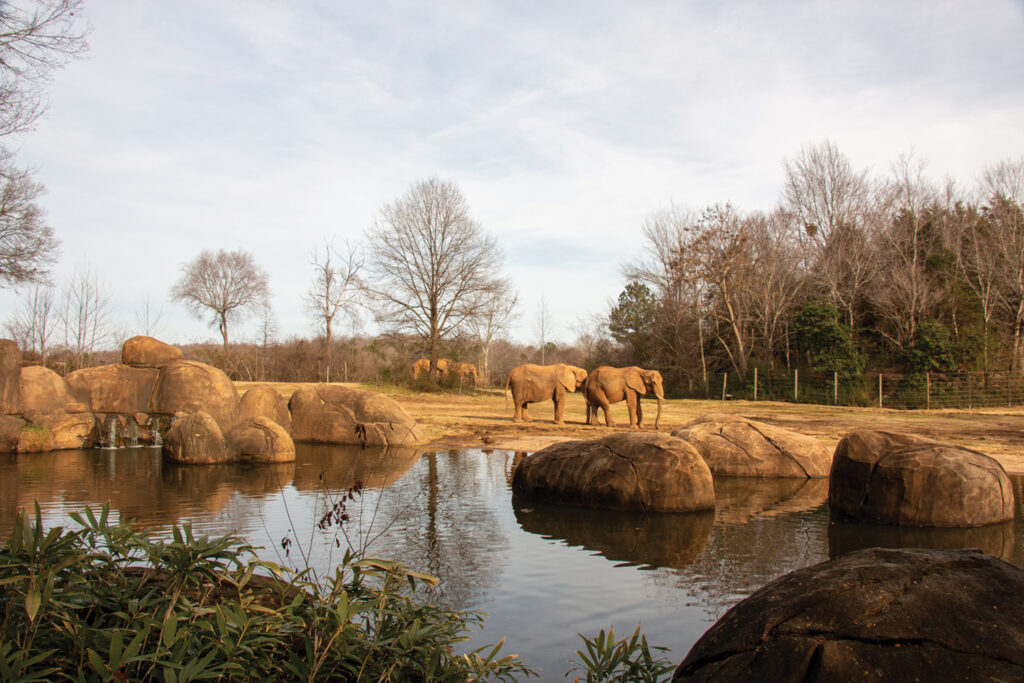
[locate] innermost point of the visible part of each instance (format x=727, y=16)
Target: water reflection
x=632, y=538
x=543, y=573
x=995, y=539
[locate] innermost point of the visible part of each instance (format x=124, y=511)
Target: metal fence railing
x=886, y=390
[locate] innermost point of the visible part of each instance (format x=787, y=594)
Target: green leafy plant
x=107, y=601
x=629, y=659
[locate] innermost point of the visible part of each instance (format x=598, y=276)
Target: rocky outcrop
x=188, y=386
x=147, y=352
x=260, y=440
x=734, y=446
x=113, y=388
x=264, y=401
x=43, y=391
x=10, y=433
x=643, y=471
x=888, y=478
x=10, y=378
x=67, y=430
x=196, y=439
x=337, y=414
x=892, y=615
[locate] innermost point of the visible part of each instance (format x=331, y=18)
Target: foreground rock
x=885, y=615
x=10, y=377
x=330, y=413
x=196, y=439
x=264, y=401
x=887, y=478
x=260, y=440
x=734, y=446
x=644, y=471
x=113, y=389
x=43, y=391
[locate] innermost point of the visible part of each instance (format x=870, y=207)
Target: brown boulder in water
x=337, y=414
x=187, y=386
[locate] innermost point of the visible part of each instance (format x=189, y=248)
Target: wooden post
x=927, y=391
x=835, y=388
x=725, y=379
x=346, y=371
x=755, y=384
x=796, y=386
x=879, y=390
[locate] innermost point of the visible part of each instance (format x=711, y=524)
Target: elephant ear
x=567, y=378
x=635, y=381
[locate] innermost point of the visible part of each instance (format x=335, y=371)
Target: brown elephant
x=607, y=385
x=534, y=383
x=464, y=371
x=422, y=367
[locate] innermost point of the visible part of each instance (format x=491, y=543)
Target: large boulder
x=635, y=471
x=116, y=388
x=734, y=446
x=873, y=615
x=10, y=378
x=888, y=478
x=10, y=433
x=260, y=440
x=43, y=391
x=333, y=413
x=196, y=439
x=68, y=430
x=147, y=352
x=186, y=386
x=264, y=401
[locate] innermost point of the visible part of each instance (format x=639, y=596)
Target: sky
x=274, y=126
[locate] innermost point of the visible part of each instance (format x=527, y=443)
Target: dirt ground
x=482, y=419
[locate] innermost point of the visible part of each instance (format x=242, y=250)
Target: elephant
x=534, y=383
x=465, y=371
x=607, y=385
x=422, y=367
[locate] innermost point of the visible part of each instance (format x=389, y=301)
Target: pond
x=542, y=573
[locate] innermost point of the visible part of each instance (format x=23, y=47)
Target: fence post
x=346, y=371
x=927, y=391
x=835, y=388
x=970, y=398
x=879, y=390
x=725, y=379
x=796, y=386
x=755, y=384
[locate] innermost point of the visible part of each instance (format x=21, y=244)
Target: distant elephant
x=534, y=383
x=422, y=367
x=607, y=385
x=465, y=371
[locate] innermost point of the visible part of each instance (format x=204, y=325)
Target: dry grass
x=482, y=419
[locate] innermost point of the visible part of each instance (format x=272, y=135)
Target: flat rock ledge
x=734, y=446
x=635, y=471
x=888, y=478
x=873, y=615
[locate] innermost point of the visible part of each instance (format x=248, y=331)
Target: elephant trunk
x=657, y=418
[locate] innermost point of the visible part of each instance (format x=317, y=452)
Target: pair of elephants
x=446, y=368
x=605, y=385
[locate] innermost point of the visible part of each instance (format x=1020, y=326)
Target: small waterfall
x=153, y=424
x=108, y=435
x=133, y=434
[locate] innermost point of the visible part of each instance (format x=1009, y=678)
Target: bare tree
x=833, y=204
x=497, y=313
x=542, y=326
x=32, y=326
x=85, y=314
x=1003, y=184
x=228, y=285
x=432, y=266
x=148, y=319
x=28, y=245
x=335, y=289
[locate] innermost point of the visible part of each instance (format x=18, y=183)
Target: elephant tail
x=507, y=383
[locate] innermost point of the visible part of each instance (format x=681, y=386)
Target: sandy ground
x=482, y=419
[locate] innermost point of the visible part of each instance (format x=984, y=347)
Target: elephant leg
x=525, y=412
x=559, y=402
x=631, y=403
x=602, y=401
x=639, y=412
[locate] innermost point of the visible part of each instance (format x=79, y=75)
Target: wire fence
x=926, y=391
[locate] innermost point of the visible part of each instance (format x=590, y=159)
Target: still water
x=542, y=573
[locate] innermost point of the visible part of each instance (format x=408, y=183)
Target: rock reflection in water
x=339, y=467
x=651, y=540
x=740, y=499
x=994, y=539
